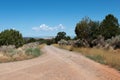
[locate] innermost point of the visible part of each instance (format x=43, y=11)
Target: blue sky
x=34, y=18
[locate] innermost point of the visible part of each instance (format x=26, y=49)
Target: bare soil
x=57, y=64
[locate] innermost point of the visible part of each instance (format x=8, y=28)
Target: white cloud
x=44, y=27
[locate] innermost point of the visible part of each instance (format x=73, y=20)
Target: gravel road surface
x=57, y=64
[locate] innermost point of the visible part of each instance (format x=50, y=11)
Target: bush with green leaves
x=109, y=27
x=61, y=35
x=11, y=37
x=89, y=31
x=33, y=51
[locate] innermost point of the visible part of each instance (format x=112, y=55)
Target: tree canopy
x=88, y=29
x=61, y=35
x=11, y=37
x=109, y=26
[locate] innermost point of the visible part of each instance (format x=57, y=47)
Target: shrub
x=114, y=42
x=109, y=27
x=11, y=37
x=33, y=52
x=6, y=49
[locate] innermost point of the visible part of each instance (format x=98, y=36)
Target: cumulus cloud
x=44, y=27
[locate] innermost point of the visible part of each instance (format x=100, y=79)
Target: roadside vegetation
x=99, y=41
x=11, y=37
x=13, y=47
x=107, y=57
x=27, y=51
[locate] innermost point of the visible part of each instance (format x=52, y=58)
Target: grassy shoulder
x=107, y=57
x=22, y=53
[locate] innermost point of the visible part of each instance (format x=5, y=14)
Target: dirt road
x=57, y=64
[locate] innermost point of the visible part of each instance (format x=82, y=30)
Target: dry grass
x=108, y=57
x=41, y=45
x=6, y=57
x=64, y=47
x=20, y=54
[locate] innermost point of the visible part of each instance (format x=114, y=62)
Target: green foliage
x=50, y=41
x=46, y=41
x=97, y=58
x=94, y=29
x=11, y=37
x=61, y=35
x=68, y=38
x=33, y=51
x=31, y=40
x=87, y=29
x=109, y=27
x=82, y=29
x=75, y=38
x=41, y=41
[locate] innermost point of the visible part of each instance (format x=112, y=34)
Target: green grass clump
x=33, y=52
x=97, y=58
